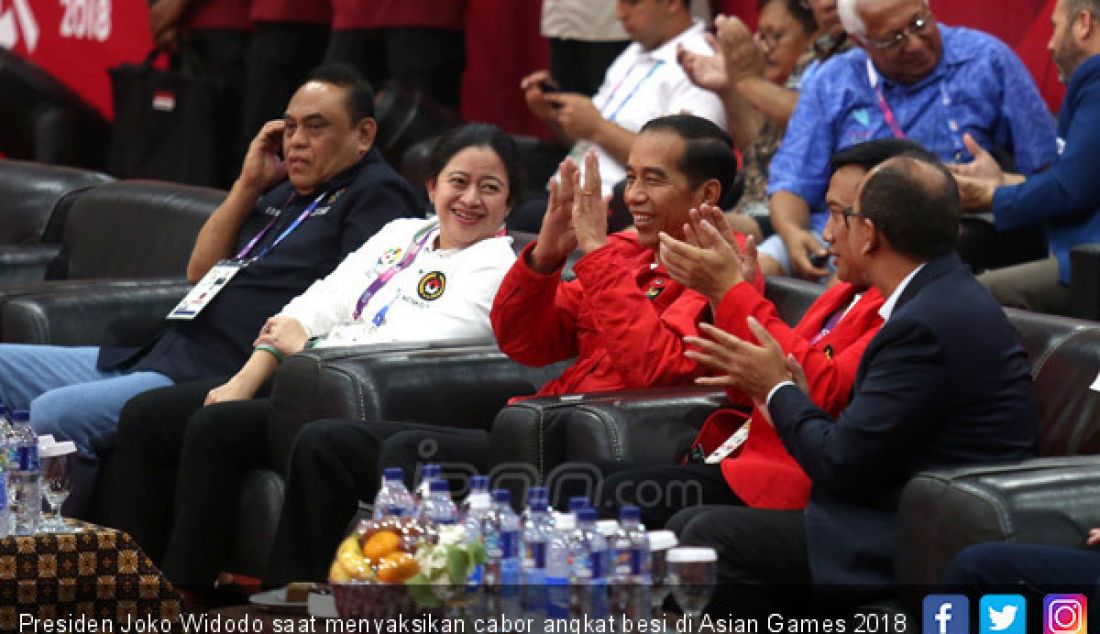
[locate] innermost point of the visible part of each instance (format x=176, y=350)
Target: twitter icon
x=1002, y=614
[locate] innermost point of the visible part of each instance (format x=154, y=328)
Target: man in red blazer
x=734, y=462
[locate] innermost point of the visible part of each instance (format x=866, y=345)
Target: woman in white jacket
x=415, y=280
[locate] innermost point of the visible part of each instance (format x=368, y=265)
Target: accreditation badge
x=207, y=289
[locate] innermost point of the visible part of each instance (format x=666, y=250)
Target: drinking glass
x=659, y=544
x=692, y=573
x=56, y=484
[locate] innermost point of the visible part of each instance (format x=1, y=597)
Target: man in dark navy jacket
x=944, y=383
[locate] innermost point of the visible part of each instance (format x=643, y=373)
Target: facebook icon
x=946, y=614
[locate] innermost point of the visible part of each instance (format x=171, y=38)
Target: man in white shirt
x=643, y=83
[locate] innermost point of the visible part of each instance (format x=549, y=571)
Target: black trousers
x=280, y=57
x=140, y=476
x=223, y=54
x=222, y=442
x=659, y=491
x=428, y=59
x=336, y=464
x=763, y=564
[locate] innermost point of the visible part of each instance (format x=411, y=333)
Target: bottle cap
x=630, y=513
x=537, y=496
x=479, y=482
x=662, y=540
x=691, y=554
x=20, y=416
x=55, y=449
x=393, y=473
x=439, y=485
x=577, y=503
x=586, y=515
x=429, y=471
x=502, y=496
x=3, y=409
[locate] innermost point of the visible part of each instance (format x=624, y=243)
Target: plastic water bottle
x=474, y=508
x=25, y=477
x=5, y=432
x=393, y=499
x=538, y=530
x=559, y=561
x=588, y=575
x=629, y=577
x=438, y=507
x=428, y=472
x=501, y=531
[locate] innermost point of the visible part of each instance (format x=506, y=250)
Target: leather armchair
x=122, y=313
x=130, y=241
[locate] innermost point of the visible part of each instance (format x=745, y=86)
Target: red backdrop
x=77, y=40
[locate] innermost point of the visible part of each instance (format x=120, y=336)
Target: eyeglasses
x=917, y=27
x=770, y=40
x=843, y=214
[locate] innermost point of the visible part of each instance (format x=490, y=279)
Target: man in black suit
x=944, y=383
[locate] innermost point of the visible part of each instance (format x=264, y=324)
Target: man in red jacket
x=624, y=318
x=739, y=462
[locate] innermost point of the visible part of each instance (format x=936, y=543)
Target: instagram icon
x=1065, y=614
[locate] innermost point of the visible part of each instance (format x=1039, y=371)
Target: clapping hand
x=705, y=71
x=708, y=260
x=556, y=237
x=590, y=206
x=752, y=368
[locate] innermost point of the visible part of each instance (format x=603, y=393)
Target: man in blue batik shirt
x=909, y=77
x=1064, y=200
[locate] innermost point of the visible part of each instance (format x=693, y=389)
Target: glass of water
x=692, y=573
x=56, y=484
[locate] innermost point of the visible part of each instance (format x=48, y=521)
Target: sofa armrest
x=453, y=385
x=634, y=426
x=1084, y=282
x=27, y=262
x=1045, y=500
x=119, y=313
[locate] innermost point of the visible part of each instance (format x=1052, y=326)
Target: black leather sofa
x=1053, y=499
x=36, y=199
x=117, y=270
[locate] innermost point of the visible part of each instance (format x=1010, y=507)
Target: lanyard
x=831, y=323
x=282, y=236
x=652, y=69
x=887, y=113
x=418, y=241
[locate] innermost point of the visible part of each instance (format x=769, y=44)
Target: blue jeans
x=65, y=393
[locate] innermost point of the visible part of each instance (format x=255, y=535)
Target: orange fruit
x=381, y=544
x=396, y=567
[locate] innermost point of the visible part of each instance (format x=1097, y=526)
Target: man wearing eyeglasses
x=910, y=78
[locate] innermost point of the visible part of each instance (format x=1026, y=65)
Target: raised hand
x=590, y=206
x=984, y=166
x=704, y=261
x=535, y=96
x=743, y=58
x=262, y=166
x=705, y=71
x=556, y=237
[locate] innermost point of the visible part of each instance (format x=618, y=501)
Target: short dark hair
x=360, y=95
x=870, y=153
x=480, y=135
x=917, y=214
x=708, y=151
x=798, y=10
